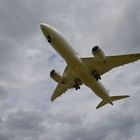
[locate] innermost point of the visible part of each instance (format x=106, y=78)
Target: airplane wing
x=60, y=89
x=111, y=62
x=69, y=78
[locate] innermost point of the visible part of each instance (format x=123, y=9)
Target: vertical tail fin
x=113, y=98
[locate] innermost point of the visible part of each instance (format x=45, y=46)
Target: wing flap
x=61, y=88
x=111, y=62
x=120, y=60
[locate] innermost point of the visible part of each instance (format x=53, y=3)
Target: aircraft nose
x=42, y=26
x=45, y=28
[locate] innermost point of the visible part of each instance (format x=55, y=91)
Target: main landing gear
x=96, y=75
x=76, y=86
x=77, y=83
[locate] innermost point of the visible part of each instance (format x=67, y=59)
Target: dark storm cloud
x=26, y=60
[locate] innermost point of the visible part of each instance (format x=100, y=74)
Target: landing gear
x=77, y=83
x=49, y=37
x=76, y=87
x=96, y=75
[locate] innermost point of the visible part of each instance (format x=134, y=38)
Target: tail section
x=113, y=98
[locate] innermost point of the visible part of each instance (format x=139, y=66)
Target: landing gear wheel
x=77, y=83
x=49, y=37
x=76, y=87
x=49, y=40
x=97, y=77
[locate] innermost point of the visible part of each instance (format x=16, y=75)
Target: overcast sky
x=26, y=59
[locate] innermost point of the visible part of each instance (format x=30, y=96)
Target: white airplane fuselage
x=74, y=62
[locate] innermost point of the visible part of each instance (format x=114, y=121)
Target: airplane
x=85, y=71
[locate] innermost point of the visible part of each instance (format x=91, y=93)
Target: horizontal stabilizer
x=102, y=103
x=113, y=98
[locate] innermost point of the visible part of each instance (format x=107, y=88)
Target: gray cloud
x=26, y=60
x=80, y=125
x=22, y=124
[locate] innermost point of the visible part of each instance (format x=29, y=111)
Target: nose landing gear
x=49, y=38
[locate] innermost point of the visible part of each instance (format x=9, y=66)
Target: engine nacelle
x=56, y=76
x=98, y=53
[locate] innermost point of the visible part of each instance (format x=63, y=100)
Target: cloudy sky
x=26, y=59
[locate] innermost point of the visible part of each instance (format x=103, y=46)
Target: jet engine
x=98, y=53
x=56, y=76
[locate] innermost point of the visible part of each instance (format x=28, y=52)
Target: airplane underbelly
x=80, y=69
x=100, y=91
x=85, y=76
